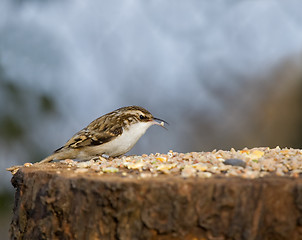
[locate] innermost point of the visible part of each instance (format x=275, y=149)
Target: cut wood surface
x=56, y=201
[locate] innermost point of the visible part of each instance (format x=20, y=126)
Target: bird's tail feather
x=49, y=158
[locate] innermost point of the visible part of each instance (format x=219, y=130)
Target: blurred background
x=222, y=73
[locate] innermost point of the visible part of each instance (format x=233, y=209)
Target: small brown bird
x=113, y=135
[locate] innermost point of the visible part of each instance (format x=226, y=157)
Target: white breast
x=123, y=143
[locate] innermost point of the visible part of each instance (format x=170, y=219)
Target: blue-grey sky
x=179, y=59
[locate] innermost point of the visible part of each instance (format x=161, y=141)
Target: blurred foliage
x=10, y=128
x=46, y=104
x=20, y=106
x=6, y=208
x=6, y=200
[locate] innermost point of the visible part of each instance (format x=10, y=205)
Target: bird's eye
x=142, y=117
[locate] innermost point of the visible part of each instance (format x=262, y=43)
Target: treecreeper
x=112, y=134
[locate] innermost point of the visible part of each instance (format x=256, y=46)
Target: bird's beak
x=160, y=122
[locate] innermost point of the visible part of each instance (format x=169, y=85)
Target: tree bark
x=52, y=202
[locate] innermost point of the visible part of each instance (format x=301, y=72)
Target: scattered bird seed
x=81, y=170
x=246, y=163
x=235, y=162
x=110, y=169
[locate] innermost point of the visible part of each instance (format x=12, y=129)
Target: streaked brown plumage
x=112, y=134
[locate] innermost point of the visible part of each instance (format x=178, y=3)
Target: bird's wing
x=96, y=133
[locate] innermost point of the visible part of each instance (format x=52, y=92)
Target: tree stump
x=53, y=201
